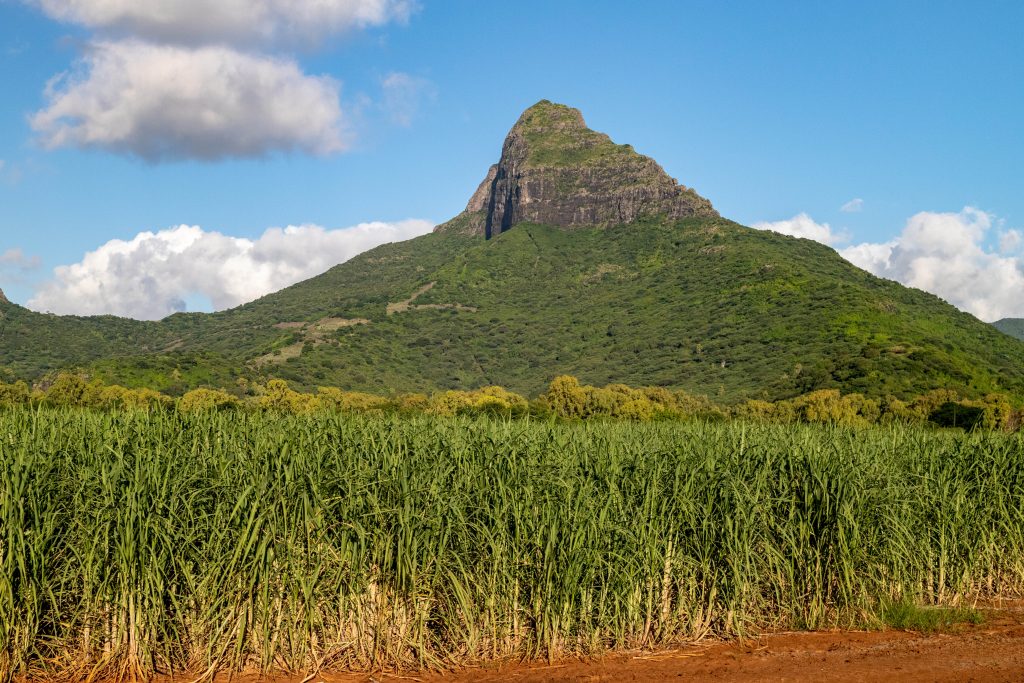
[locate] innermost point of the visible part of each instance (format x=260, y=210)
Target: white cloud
x=874, y=257
x=232, y=22
x=853, y=206
x=804, y=226
x=152, y=275
x=946, y=254
x=161, y=103
x=17, y=259
x=16, y=267
x=1011, y=241
x=404, y=95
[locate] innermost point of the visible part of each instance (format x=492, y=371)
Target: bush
x=828, y=406
x=67, y=389
x=114, y=396
x=759, y=411
x=207, y=399
x=485, y=401
x=14, y=394
x=351, y=401
x=565, y=397
x=278, y=396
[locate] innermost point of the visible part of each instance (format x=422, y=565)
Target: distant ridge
x=1011, y=326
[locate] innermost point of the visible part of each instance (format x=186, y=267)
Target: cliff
x=555, y=171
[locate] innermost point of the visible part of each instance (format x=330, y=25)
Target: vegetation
x=1011, y=326
x=455, y=449
x=140, y=541
x=564, y=398
x=704, y=306
x=555, y=138
x=907, y=616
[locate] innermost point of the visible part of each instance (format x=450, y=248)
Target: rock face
x=3, y=299
x=554, y=170
x=482, y=197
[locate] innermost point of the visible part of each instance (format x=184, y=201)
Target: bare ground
x=990, y=652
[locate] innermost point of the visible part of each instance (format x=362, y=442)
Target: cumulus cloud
x=153, y=274
x=159, y=102
x=195, y=79
x=404, y=95
x=853, y=206
x=947, y=254
x=804, y=226
x=1011, y=241
x=232, y=22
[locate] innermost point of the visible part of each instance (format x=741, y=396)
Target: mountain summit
x=555, y=171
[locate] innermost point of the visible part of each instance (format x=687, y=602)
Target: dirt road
x=990, y=652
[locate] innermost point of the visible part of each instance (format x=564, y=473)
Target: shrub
x=207, y=399
x=14, y=394
x=351, y=401
x=67, y=389
x=487, y=400
x=754, y=409
x=278, y=396
x=565, y=397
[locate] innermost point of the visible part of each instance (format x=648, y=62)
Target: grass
x=907, y=616
x=557, y=139
x=132, y=543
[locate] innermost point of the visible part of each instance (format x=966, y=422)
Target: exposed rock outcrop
x=3, y=299
x=554, y=170
x=482, y=197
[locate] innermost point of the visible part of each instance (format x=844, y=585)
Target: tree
x=278, y=396
x=565, y=397
x=351, y=401
x=14, y=394
x=67, y=389
x=206, y=399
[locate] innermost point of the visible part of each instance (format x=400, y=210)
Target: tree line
x=566, y=397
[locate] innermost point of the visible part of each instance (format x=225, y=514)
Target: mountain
x=577, y=256
x=1011, y=326
x=555, y=171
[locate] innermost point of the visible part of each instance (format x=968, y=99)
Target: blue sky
x=771, y=110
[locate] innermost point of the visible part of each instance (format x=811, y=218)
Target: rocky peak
x=3, y=299
x=555, y=170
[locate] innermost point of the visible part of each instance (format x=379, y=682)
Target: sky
x=158, y=156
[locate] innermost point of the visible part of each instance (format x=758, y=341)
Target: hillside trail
x=990, y=652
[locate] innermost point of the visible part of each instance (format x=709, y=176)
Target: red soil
x=992, y=651
x=986, y=653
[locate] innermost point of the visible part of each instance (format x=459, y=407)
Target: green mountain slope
x=657, y=289
x=1011, y=326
